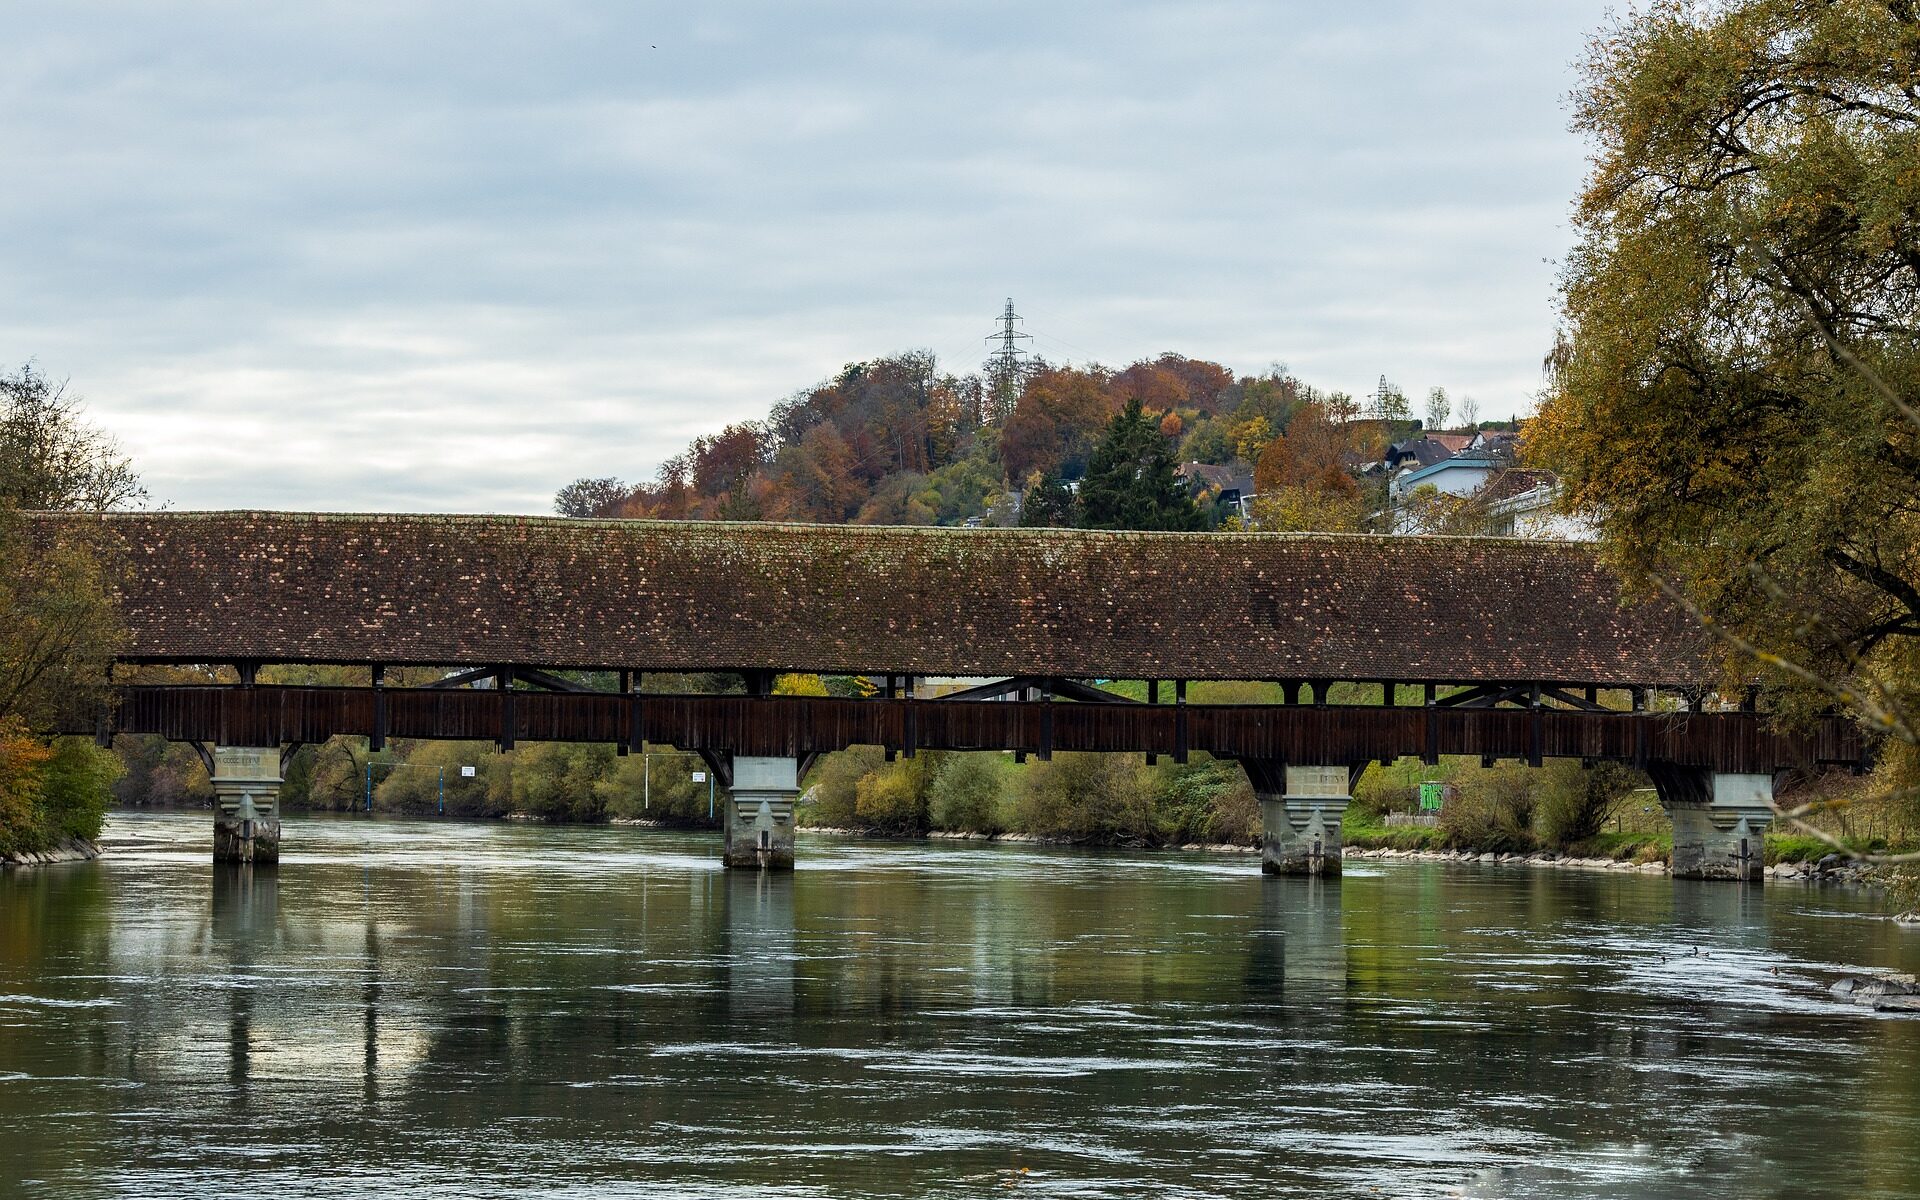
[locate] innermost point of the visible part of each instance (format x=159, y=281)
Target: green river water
x=428, y=1009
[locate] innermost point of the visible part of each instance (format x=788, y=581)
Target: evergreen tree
x=1047, y=502
x=1130, y=482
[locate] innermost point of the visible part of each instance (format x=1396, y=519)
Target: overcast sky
x=452, y=255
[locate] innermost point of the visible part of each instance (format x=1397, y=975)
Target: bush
x=414, y=784
x=1205, y=800
x=835, y=779
x=1492, y=810
x=659, y=787
x=968, y=793
x=51, y=792
x=77, y=788
x=1574, y=804
x=555, y=781
x=1098, y=798
x=893, y=798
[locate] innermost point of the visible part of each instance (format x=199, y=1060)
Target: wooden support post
x=909, y=725
x=1533, y=726
x=1180, y=721
x=1153, y=697
x=377, y=740
x=892, y=691
x=1046, y=724
x=1432, y=691
x=246, y=669
x=509, y=720
x=1639, y=696
x=1290, y=690
x=1593, y=694
x=1390, y=693
x=623, y=747
x=1319, y=688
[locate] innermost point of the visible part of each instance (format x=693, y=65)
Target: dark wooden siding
x=798, y=725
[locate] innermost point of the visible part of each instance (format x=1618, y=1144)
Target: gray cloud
x=452, y=255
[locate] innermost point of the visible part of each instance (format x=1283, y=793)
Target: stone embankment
x=69, y=850
x=1832, y=870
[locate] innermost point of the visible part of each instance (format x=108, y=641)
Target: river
x=426, y=1009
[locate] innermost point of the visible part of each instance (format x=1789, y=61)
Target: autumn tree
x=1735, y=398
x=1130, y=482
x=1301, y=481
x=59, y=622
x=1439, y=408
x=1057, y=421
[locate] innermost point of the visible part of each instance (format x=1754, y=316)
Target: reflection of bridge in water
x=1497, y=648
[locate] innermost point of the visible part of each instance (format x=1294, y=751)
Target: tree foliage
x=59, y=621
x=1734, y=397
x=1130, y=482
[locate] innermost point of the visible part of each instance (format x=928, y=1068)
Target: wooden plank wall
x=799, y=725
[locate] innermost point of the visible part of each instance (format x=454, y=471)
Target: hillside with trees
x=899, y=441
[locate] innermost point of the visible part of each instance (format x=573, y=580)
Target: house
x=1521, y=503
x=1460, y=475
x=1230, y=488
x=1501, y=443
x=1426, y=450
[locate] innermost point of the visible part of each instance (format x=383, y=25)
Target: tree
x=601, y=497
x=1047, y=502
x=1734, y=399
x=51, y=460
x=1301, y=479
x=59, y=623
x=1439, y=408
x=1130, y=482
x=1056, y=422
x=1469, y=412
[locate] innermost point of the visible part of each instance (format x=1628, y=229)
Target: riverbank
x=1813, y=872
x=65, y=850
x=1809, y=871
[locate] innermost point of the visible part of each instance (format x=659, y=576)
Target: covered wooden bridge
x=1491, y=647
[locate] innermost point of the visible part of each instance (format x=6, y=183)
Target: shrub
x=968, y=793
x=412, y=784
x=1098, y=798
x=1573, y=804
x=49, y=792
x=893, y=797
x=832, y=796
x=1492, y=810
x=1205, y=800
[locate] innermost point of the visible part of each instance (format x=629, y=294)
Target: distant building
x=1522, y=503
x=1227, y=487
x=1460, y=475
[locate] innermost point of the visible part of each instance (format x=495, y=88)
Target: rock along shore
x=1806, y=871
x=68, y=850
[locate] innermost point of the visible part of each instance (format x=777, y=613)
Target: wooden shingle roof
x=684, y=596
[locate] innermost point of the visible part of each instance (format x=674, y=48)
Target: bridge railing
x=800, y=725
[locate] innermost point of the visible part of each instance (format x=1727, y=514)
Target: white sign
x=466, y=772
x=699, y=776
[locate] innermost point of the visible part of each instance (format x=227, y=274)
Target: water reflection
x=429, y=1008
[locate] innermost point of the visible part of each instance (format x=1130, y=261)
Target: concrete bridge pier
x=246, y=804
x=1300, y=811
x=759, y=817
x=1719, y=821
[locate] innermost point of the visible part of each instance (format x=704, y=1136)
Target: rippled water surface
x=432, y=1008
